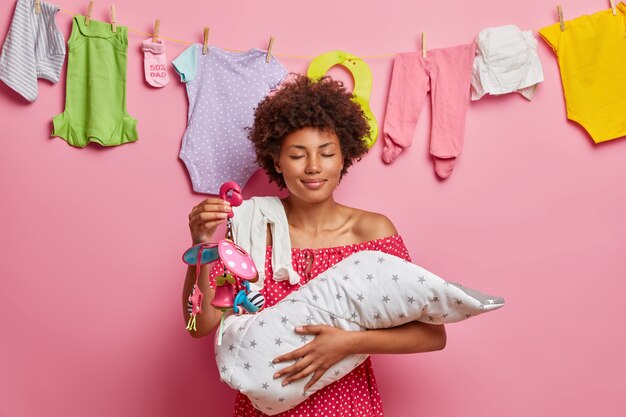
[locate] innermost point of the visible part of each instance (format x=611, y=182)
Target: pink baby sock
x=444, y=166
x=154, y=62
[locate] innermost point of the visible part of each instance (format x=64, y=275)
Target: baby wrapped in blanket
x=366, y=290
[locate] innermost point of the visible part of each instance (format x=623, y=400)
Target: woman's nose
x=313, y=165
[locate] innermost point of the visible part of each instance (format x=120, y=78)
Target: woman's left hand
x=329, y=346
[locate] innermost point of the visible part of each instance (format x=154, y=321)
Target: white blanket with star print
x=366, y=290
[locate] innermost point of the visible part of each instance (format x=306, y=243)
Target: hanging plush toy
x=238, y=267
x=250, y=301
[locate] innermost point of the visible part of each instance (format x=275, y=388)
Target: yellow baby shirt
x=591, y=53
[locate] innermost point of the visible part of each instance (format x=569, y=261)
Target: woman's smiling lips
x=313, y=184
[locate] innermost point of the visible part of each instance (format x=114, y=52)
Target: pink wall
x=91, y=238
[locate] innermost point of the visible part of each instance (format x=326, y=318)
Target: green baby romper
x=95, y=97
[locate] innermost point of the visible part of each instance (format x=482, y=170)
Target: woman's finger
x=293, y=355
x=202, y=218
x=300, y=364
x=310, y=329
x=200, y=228
x=213, y=200
x=213, y=225
x=316, y=376
x=208, y=201
x=221, y=207
x=299, y=375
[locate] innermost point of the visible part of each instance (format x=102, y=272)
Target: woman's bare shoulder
x=368, y=225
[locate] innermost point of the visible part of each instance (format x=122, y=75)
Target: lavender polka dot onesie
x=223, y=89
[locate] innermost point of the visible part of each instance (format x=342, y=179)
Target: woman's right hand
x=205, y=217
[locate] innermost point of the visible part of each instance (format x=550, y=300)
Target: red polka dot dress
x=356, y=394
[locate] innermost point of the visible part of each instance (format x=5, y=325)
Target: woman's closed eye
x=325, y=155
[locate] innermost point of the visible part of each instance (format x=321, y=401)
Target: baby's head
x=324, y=105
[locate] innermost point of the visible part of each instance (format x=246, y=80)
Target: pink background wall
x=91, y=238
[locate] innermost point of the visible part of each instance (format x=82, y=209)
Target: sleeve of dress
x=395, y=246
x=186, y=63
x=276, y=73
x=552, y=35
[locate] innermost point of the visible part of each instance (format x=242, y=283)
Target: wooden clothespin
x=113, y=20
x=157, y=26
x=205, y=43
x=269, y=50
x=559, y=11
x=613, y=7
x=89, y=10
x=423, y=45
x=37, y=6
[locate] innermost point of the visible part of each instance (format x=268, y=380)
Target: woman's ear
x=277, y=166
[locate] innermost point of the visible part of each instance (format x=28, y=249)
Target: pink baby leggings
x=446, y=74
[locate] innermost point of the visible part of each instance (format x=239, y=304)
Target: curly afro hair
x=324, y=104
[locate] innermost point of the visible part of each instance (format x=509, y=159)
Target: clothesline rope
x=182, y=42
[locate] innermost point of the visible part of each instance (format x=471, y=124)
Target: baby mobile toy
x=238, y=268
